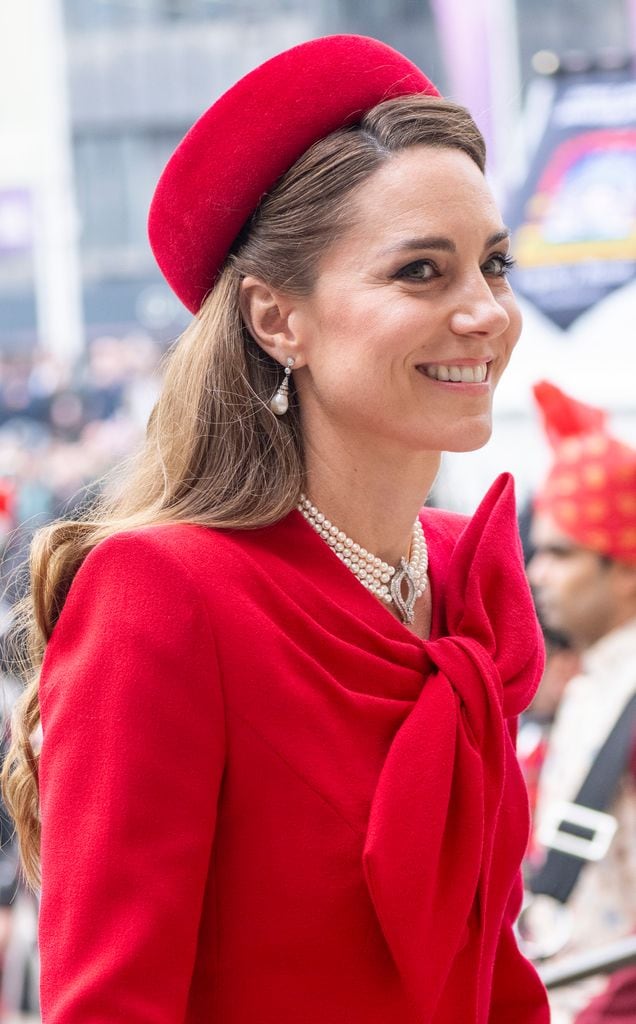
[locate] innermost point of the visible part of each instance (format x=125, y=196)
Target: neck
x=373, y=498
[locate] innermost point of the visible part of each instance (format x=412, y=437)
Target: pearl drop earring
x=279, y=404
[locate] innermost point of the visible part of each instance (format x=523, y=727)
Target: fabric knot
x=440, y=856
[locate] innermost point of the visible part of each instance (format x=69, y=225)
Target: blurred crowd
x=63, y=424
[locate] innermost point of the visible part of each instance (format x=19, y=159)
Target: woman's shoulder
x=135, y=592
x=140, y=545
x=173, y=555
x=134, y=568
x=184, y=544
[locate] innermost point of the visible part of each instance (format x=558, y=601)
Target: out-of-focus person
x=562, y=663
x=583, y=573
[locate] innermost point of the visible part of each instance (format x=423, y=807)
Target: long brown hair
x=214, y=453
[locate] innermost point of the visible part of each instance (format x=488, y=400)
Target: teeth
x=463, y=374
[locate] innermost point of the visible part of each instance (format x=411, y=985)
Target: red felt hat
x=255, y=132
x=590, y=492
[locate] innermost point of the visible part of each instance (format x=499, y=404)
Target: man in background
x=583, y=573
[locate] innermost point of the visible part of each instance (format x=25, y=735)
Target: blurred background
x=94, y=96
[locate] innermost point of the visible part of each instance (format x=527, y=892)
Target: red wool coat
x=265, y=801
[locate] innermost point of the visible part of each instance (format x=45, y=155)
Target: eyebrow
x=555, y=548
x=440, y=243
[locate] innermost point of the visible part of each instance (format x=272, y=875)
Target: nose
x=537, y=569
x=478, y=312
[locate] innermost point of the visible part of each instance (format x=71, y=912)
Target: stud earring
x=280, y=401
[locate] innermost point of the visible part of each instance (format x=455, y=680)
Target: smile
x=456, y=374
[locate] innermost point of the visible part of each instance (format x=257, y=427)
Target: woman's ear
x=267, y=315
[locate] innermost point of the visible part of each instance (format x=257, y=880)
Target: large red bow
x=449, y=820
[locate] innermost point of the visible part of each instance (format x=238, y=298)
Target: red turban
x=255, y=132
x=590, y=491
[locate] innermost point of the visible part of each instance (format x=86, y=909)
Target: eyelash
x=507, y=263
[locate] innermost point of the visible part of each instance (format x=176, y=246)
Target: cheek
x=364, y=340
x=561, y=583
x=514, y=328
x=516, y=323
x=579, y=592
x=507, y=341
x=506, y=299
x=328, y=330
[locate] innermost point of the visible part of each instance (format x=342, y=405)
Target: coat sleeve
x=130, y=769
x=518, y=993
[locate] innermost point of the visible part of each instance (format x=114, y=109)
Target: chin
x=469, y=439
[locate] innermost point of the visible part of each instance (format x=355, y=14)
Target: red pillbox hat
x=590, y=491
x=255, y=132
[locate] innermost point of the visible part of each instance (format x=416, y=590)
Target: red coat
x=265, y=801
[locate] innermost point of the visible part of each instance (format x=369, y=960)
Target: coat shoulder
x=169, y=546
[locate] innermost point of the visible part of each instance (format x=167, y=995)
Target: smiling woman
x=277, y=696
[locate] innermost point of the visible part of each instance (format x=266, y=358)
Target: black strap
x=560, y=871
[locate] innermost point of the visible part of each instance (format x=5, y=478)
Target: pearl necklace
x=382, y=579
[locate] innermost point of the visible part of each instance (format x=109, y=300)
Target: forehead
x=428, y=190
x=545, y=532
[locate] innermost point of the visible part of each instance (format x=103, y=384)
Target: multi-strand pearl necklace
x=382, y=579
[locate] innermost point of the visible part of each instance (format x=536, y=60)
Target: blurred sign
x=16, y=220
x=574, y=218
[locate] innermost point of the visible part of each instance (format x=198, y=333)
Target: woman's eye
x=419, y=270
x=499, y=264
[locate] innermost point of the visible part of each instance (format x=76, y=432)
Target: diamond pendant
x=404, y=604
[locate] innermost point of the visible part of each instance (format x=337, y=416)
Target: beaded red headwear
x=255, y=132
x=590, y=492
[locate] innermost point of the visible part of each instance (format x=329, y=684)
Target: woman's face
x=411, y=321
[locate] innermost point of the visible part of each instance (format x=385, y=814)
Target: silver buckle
x=544, y=926
x=603, y=827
